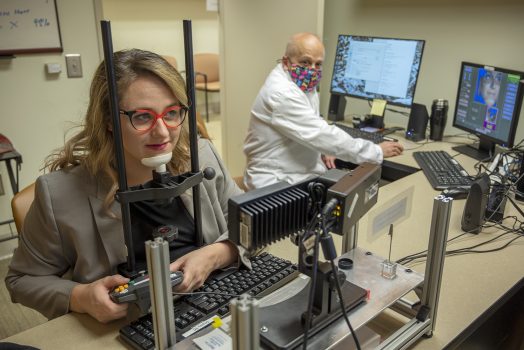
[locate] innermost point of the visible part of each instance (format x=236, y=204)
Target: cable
x=342, y=306
x=327, y=221
x=316, y=191
x=311, y=295
x=410, y=258
x=470, y=249
x=401, y=260
x=339, y=290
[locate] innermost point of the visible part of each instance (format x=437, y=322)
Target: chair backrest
x=240, y=182
x=206, y=63
x=20, y=205
x=171, y=60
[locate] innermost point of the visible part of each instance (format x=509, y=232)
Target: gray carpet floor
x=14, y=318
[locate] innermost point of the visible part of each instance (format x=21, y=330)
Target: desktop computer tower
x=337, y=107
x=417, y=123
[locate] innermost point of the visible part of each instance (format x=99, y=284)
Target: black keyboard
x=195, y=312
x=374, y=137
x=442, y=170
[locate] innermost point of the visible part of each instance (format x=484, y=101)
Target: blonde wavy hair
x=93, y=146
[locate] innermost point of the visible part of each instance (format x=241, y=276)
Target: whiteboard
x=29, y=26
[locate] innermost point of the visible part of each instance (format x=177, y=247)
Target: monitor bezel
x=516, y=111
x=367, y=98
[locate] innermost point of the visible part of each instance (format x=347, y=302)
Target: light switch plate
x=74, y=65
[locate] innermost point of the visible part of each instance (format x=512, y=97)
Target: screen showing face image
x=377, y=68
x=488, y=103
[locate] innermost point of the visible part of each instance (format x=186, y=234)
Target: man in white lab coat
x=287, y=139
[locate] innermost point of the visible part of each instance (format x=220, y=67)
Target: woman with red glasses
x=72, y=240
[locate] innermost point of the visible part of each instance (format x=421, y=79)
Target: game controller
x=137, y=291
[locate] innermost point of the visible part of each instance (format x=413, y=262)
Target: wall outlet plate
x=74, y=65
x=53, y=68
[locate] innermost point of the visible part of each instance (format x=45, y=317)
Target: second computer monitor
x=377, y=68
x=488, y=105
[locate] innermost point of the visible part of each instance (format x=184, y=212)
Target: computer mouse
x=456, y=192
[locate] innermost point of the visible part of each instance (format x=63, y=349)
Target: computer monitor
x=377, y=68
x=488, y=105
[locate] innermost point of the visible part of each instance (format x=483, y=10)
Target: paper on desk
x=378, y=107
x=393, y=212
x=214, y=340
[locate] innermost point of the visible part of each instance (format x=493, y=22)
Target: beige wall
x=253, y=36
x=37, y=109
x=43, y=108
x=156, y=25
x=486, y=32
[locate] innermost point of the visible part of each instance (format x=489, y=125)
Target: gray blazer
x=67, y=233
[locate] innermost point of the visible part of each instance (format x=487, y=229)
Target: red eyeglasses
x=145, y=119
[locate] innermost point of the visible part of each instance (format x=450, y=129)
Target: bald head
x=304, y=49
x=302, y=42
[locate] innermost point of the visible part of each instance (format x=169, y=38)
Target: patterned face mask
x=306, y=78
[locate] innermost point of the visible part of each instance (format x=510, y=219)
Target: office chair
x=206, y=75
x=201, y=125
x=171, y=60
x=240, y=182
x=20, y=205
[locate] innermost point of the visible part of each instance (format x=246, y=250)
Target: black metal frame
x=177, y=184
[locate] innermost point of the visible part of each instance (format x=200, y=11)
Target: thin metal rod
x=193, y=133
x=117, y=136
x=390, y=240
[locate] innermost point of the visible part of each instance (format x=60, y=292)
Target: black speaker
x=475, y=208
x=418, y=122
x=337, y=106
x=519, y=194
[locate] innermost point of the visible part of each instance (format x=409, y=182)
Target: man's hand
x=198, y=265
x=391, y=149
x=93, y=298
x=329, y=161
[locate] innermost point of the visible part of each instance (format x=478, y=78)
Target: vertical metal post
x=244, y=323
x=193, y=132
x=349, y=240
x=117, y=136
x=436, y=255
x=157, y=254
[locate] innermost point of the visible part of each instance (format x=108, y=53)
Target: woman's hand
x=93, y=298
x=329, y=161
x=198, y=265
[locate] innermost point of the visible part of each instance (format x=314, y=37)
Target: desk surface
x=471, y=284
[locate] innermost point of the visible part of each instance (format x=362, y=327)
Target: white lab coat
x=287, y=136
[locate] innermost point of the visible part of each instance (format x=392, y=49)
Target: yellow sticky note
x=378, y=107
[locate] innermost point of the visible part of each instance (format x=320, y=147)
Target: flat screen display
x=488, y=102
x=377, y=68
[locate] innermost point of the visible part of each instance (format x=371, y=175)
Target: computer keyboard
x=195, y=312
x=442, y=170
x=374, y=137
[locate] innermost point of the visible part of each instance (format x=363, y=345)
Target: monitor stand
x=483, y=150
